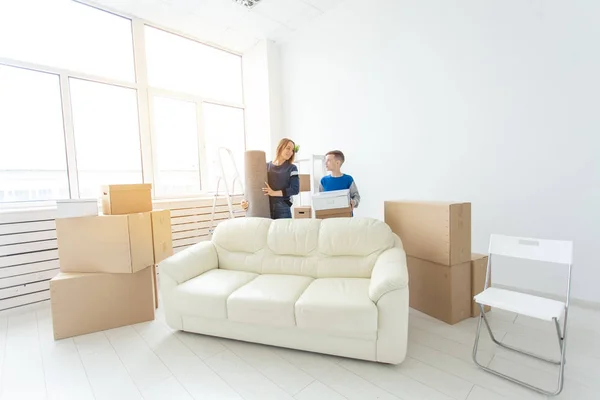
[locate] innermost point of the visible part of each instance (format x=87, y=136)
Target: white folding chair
x=552, y=251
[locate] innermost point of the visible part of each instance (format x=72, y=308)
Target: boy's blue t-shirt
x=330, y=183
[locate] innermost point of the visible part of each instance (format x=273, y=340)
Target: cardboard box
x=126, y=199
x=304, y=182
x=86, y=303
x=72, y=208
x=433, y=231
x=105, y=243
x=334, y=213
x=440, y=291
x=331, y=200
x=162, y=235
x=478, y=275
x=302, y=212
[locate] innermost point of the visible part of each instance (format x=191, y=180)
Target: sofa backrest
x=336, y=247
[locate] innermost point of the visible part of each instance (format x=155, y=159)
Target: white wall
x=493, y=102
x=262, y=97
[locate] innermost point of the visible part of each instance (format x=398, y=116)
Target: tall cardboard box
x=302, y=212
x=478, y=275
x=105, y=243
x=162, y=235
x=440, y=291
x=126, y=199
x=434, y=231
x=90, y=302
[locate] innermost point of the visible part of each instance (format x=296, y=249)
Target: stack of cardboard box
x=443, y=274
x=108, y=263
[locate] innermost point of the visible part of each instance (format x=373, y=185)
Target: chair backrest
x=552, y=251
x=336, y=247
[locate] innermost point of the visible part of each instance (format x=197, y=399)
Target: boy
x=337, y=180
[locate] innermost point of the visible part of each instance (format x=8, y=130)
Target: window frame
x=144, y=94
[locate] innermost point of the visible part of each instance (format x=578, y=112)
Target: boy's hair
x=338, y=155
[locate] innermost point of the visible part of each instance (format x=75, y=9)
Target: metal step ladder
x=222, y=177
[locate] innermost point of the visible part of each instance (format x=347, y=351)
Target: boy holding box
x=338, y=180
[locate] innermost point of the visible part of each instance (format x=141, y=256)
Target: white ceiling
x=224, y=22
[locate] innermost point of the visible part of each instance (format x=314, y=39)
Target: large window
x=187, y=130
x=183, y=65
x=82, y=106
x=176, y=154
x=68, y=35
x=224, y=127
x=33, y=162
x=107, y=136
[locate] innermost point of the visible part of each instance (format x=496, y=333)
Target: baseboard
x=592, y=305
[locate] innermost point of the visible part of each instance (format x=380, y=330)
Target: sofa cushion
x=348, y=247
x=354, y=237
x=206, y=295
x=290, y=265
x=294, y=237
x=346, y=266
x=241, y=242
x=292, y=247
x=337, y=305
x=267, y=300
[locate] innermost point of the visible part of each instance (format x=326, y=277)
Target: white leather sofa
x=337, y=286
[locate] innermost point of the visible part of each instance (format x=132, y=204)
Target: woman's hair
x=282, y=144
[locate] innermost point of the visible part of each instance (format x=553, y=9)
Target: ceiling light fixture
x=247, y=3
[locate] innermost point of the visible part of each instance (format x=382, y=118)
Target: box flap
x=140, y=241
x=162, y=236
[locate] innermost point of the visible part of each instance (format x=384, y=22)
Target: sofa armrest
x=190, y=262
x=389, y=273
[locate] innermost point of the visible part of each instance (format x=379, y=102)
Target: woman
x=283, y=181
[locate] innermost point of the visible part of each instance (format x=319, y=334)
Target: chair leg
x=563, y=347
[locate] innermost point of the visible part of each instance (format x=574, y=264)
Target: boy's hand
x=244, y=205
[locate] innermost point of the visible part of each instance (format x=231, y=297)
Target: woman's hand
x=244, y=205
x=270, y=192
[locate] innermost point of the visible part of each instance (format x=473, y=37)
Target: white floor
x=150, y=361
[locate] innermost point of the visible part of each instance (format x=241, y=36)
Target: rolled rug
x=255, y=162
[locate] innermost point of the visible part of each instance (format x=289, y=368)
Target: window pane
x=175, y=141
x=33, y=163
x=66, y=34
x=107, y=139
x=180, y=64
x=223, y=127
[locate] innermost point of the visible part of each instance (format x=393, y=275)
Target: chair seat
x=520, y=303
